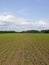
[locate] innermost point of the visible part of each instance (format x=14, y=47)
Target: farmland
x=24, y=49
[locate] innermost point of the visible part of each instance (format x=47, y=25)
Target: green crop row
x=34, y=48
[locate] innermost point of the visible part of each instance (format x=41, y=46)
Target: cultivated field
x=24, y=49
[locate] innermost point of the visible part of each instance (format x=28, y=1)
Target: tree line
x=7, y=31
x=28, y=31
x=35, y=31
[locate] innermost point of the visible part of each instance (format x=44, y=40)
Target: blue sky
x=24, y=14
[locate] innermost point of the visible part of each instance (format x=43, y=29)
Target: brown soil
x=7, y=61
x=15, y=60
x=4, y=54
x=23, y=57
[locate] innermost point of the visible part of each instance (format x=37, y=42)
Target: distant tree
x=44, y=31
x=7, y=31
x=30, y=31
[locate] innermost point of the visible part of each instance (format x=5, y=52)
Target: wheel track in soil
x=7, y=61
x=15, y=60
x=44, y=52
x=31, y=56
x=3, y=55
x=23, y=57
x=41, y=60
x=34, y=53
x=4, y=51
x=31, y=53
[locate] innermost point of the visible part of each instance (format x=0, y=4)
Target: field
x=24, y=49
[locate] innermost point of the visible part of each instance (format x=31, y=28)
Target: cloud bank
x=10, y=22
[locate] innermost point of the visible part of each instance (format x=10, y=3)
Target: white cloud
x=40, y=23
x=9, y=22
x=5, y=18
x=13, y=19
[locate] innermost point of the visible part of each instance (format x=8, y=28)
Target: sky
x=20, y=15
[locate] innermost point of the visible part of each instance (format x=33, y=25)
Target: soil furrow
x=5, y=55
x=35, y=52
x=7, y=61
x=15, y=60
x=23, y=57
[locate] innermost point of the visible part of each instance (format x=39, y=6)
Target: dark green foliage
x=44, y=31
x=7, y=31
x=28, y=31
